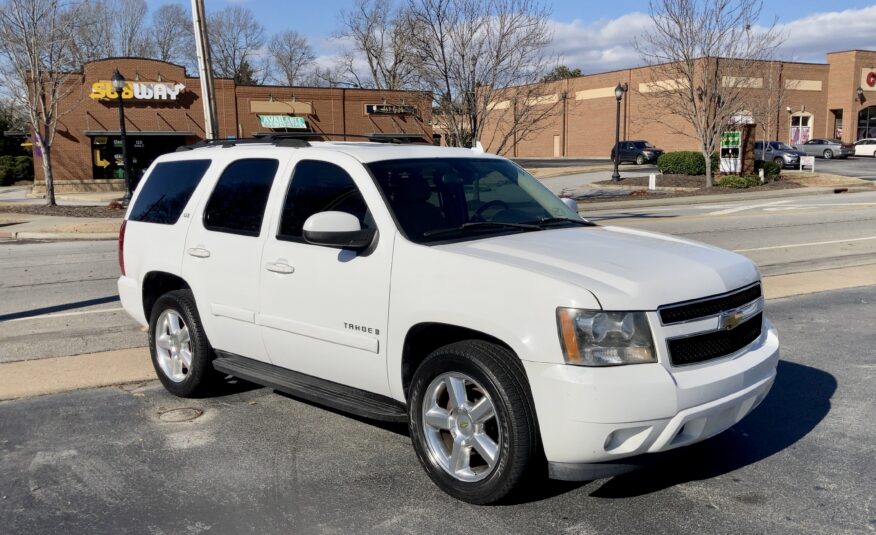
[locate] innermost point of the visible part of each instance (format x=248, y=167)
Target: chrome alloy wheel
x=173, y=346
x=461, y=427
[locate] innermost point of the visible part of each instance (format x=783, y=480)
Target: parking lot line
x=65, y=314
x=788, y=246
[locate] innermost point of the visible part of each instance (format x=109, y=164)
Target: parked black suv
x=639, y=151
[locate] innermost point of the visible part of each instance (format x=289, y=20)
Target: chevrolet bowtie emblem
x=730, y=319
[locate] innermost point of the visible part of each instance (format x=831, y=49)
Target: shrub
x=22, y=168
x=14, y=169
x=739, y=182
x=685, y=163
x=770, y=169
x=7, y=170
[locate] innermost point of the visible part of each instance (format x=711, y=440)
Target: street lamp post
x=118, y=82
x=619, y=95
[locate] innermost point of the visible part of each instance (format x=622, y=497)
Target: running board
x=335, y=395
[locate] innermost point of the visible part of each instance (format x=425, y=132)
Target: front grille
x=708, y=306
x=703, y=347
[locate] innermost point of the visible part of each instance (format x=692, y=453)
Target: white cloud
x=607, y=44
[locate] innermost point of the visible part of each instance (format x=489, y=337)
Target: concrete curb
x=84, y=236
x=709, y=199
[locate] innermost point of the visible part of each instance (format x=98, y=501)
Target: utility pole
x=205, y=68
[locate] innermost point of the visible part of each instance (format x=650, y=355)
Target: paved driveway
x=128, y=460
x=858, y=167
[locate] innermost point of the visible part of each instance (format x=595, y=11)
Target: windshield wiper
x=549, y=220
x=481, y=224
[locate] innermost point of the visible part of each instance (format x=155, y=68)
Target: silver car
x=778, y=153
x=827, y=148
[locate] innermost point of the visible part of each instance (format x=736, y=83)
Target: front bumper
x=604, y=415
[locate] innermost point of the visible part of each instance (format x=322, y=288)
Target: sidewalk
x=42, y=227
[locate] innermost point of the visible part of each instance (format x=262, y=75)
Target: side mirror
x=570, y=203
x=337, y=229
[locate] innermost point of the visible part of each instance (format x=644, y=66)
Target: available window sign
x=282, y=121
x=103, y=90
x=390, y=109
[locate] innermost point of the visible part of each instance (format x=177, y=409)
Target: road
x=781, y=235
x=117, y=460
x=60, y=299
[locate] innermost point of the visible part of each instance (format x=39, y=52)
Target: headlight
x=598, y=338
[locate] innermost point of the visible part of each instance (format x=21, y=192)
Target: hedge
x=685, y=163
x=740, y=182
x=14, y=169
x=770, y=169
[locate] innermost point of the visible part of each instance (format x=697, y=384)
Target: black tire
x=200, y=378
x=779, y=161
x=828, y=154
x=640, y=160
x=502, y=376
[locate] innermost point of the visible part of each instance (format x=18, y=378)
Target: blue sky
x=597, y=35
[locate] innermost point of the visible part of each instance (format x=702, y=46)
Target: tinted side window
x=319, y=187
x=167, y=191
x=237, y=204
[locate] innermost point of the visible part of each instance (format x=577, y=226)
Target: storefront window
x=106, y=154
x=867, y=123
x=801, y=128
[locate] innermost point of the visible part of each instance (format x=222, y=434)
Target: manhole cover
x=184, y=414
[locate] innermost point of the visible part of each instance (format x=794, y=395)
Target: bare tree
x=92, y=31
x=705, y=59
x=235, y=38
x=381, y=32
x=129, y=23
x=172, y=32
x=481, y=60
x=292, y=55
x=767, y=105
x=36, y=48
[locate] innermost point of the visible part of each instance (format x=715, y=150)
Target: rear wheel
x=180, y=351
x=471, y=420
x=828, y=154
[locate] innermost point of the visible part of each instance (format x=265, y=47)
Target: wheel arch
x=424, y=338
x=158, y=283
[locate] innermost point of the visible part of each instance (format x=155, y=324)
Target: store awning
x=137, y=133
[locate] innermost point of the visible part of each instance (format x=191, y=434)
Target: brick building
x=820, y=100
x=163, y=110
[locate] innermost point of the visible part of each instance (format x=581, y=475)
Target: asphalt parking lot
x=135, y=459
x=858, y=167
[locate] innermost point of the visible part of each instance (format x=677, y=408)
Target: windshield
x=447, y=199
x=778, y=145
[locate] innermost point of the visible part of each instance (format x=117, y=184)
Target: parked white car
x=446, y=289
x=865, y=147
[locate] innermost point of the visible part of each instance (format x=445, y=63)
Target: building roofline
x=138, y=58
x=851, y=50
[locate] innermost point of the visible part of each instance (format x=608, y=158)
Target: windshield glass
x=778, y=145
x=438, y=199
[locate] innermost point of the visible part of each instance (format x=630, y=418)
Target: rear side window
x=319, y=187
x=167, y=191
x=237, y=204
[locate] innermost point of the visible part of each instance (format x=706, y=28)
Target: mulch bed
x=680, y=181
x=64, y=211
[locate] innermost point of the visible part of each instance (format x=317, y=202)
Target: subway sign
x=147, y=91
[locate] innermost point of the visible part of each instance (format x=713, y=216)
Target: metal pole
x=616, y=175
x=126, y=164
x=205, y=69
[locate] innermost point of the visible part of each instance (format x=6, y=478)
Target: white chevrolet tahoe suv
x=447, y=289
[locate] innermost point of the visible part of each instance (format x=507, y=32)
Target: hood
x=625, y=269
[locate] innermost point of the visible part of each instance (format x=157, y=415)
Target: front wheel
x=779, y=161
x=828, y=154
x=640, y=160
x=472, y=422
x=181, y=354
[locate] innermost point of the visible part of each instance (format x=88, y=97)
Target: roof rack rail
x=232, y=142
x=399, y=138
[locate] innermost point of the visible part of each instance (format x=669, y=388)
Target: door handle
x=280, y=267
x=199, y=252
